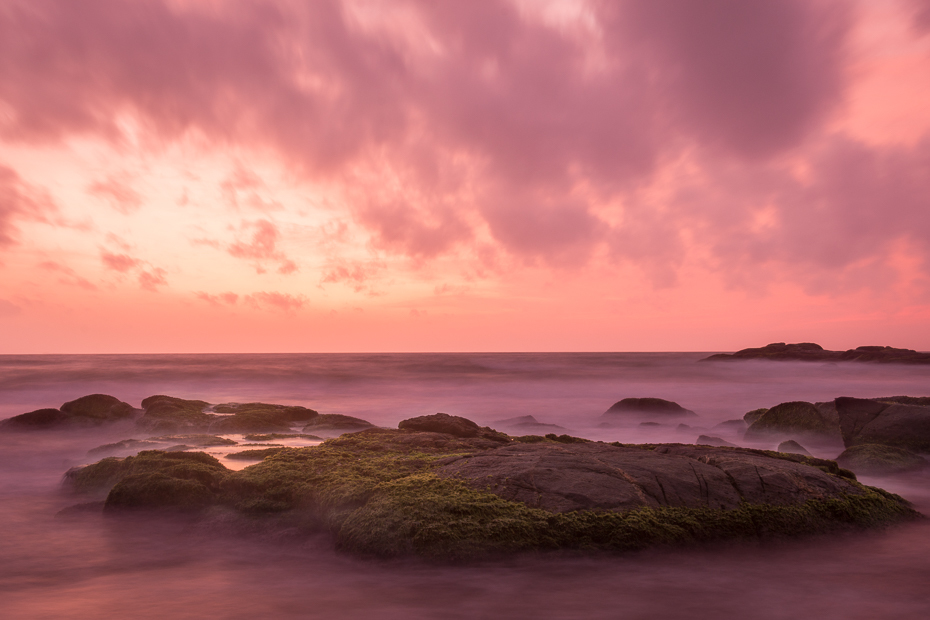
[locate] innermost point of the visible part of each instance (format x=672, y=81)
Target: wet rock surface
x=334, y=422
x=885, y=422
x=797, y=418
x=588, y=476
x=87, y=411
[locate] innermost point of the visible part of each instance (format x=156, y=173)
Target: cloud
x=277, y=301
x=118, y=192
x=8, y=308
x=456, y=127
x=118, y=262
x=228, y=298
x=357, y=274
x=19, y=201
x=152, y=279
x=69, y=276
x=262, y=246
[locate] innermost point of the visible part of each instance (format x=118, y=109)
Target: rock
x=199, y=440
x=395, y=492
x=256, y=455
x=811, y=352
x=442, y=423
x=259, y=417
x=732, y=425
x=170, y=414
x=878, y=460
x=751, y=416
x=526, y=423
x=273, y=436
x=648, y=407
x=336, y=422
x=792, y=447
x=707, y=440
x=865, y=421
x=91, y=410
x=793, y=418
x=653, y=424
x=34, y=420
x=126, y=445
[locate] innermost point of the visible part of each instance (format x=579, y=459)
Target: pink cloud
x=69, y=276
x=152, y=279
x=118, y=262
x=19, y=201
x=277, y=301
x=357, y=274
x=228, y=298
x=262, y=246
x=118, y=192
x=468, y=119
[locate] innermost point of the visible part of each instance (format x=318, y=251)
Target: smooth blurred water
x=93, y=567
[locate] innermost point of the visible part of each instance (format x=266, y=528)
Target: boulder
x=650, y=407
x=878, y=460
x=867, y=421
x=442, y=423
x=336, y=422
x=171, y=414
x=792, y=447
x=793, y=418
x=91, y=410
x=527, y=423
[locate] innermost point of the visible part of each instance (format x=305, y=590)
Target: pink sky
x=203, y=175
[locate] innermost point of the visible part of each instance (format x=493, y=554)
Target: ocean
x=88, y=566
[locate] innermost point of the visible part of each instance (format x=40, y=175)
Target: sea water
x=88, y=566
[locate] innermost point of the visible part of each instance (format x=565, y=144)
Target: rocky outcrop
x=170, y=414
x=811, y=352
x=527, y=424
x=394, y=492
x=336, y=422
x=711, y=440
x=884, y=422
x=797, y=418
x=877, y=460
x=454, y=425
x=87, y=411
x=645, y=407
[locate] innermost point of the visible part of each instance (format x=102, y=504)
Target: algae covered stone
x=794, y=418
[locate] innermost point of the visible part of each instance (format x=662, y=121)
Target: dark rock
x=259, y=417
x=170, y=414
x=810, y=352
x=126, y=445
x=273, y=436
x=683, y=428
x=864, y=421
x=336, y=422
x=442, y=423
x=796, y=417
x=527, y=423
x=708, y=440
x=201, y=441
x=872, y=459
x=588, y=476
x=792, y=447
x=751, y=416
x=733, y=425
x=87, y=411
x=647, y=406
x=256, y=455
x=39, y=419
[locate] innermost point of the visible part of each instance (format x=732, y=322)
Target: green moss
x=107, y=472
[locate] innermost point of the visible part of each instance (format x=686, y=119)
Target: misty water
x=83, y=566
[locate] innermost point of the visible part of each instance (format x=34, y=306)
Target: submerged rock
x=646, y=407
x=709, y=440
x=872, y=459
x=793, y=447
x=393, y=492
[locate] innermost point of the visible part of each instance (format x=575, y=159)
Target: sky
x=493, y=175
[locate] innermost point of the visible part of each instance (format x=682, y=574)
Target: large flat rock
x=586, y=476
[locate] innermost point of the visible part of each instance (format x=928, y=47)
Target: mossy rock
x=87, y=411
x=873, y=459
x=792, y=447
x=274, y=436
x=390, y=493
x=168, y=413
x=751, y=416
x=255, y=455
x=259, y=417
x=336, y=422
x=796, y=417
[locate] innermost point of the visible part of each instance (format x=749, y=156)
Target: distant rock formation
x=792, y=447
x=646, y=407
x=811, y=352
x=797, y=418
x=877, y=460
